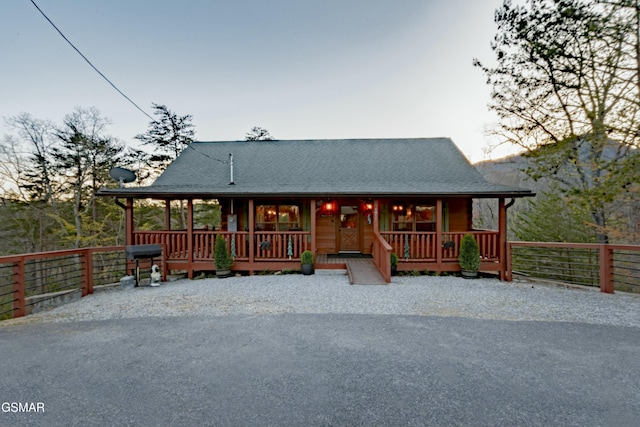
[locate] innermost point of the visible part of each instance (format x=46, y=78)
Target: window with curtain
x=277, y=217
x=413, y=217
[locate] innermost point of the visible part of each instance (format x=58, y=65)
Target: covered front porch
x=321, y=228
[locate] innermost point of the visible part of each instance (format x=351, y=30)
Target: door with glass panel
x=349, y=236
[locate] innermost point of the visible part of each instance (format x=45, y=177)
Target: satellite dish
x=122, y=175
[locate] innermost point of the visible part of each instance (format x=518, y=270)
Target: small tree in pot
x=394, y=263
x=306, y=262
x=469, y=257
x=221, y=257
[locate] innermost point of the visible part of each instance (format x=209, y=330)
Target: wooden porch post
x=376, y=215
x=502, y=238
x=128, y=214
x=190, y=238
x=313, y=226
x=129, y=221
x=439, y=235
x=252, y=228
x=167, y=215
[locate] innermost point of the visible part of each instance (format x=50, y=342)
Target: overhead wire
x=109, y=81
x=89, y=62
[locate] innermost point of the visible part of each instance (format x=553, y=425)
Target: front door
x=348, y=229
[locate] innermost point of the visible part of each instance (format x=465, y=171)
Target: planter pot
x=307, y=269
x=221, y=274
x=394, y=270
x=469, y=274
x=128, y=282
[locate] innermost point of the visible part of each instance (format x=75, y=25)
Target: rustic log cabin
x=354, y=196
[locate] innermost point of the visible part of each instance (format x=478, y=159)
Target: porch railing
x=382, y=256
x=280, y=245
x=422, y=246
x=175, y=242
x=275, y=245
x=268, y=245
x=204, y=242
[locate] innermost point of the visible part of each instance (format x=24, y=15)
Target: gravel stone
x=446, y=296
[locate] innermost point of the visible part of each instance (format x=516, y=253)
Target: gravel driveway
x=316, y=351
x=331, y=293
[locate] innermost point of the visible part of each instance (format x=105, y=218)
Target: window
x=288, y=218
x=277, y=217
x=425, y=218
x=402, y=218
x=410, y=217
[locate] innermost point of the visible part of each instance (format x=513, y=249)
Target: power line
x=109, y=81
x=206, y=155
x=89, y=62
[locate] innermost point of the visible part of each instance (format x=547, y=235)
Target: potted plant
x=469, y=257
x=306, y=262
x=221, y=257
x=394, y=263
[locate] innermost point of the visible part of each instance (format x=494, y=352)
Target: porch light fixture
x=328, y=207
x=398, y=207
x=369, y=206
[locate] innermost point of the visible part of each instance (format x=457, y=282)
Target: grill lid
x=143, y=251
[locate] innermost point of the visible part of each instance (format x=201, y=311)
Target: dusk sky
x=302, y=69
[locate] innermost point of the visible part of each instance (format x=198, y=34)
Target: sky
x=303, y=69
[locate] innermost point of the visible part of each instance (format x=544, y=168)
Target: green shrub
x=306, y=257
x=221, y=256
x=469, y=253
x=394, y=258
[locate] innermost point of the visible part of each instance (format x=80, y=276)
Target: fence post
x=19, y=307
x=87, y=274
x=606, y=269
x=508, y=262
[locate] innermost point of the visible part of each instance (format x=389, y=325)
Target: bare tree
x=35, y=171
x=565, y=88
x=83, y=159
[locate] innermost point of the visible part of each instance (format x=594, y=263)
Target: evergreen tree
x=168, y=136
x=551, y=218
x=258, y=133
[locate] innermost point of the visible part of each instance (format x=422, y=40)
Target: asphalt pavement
x=319, y=370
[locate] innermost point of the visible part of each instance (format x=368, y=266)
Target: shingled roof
x=344, y=167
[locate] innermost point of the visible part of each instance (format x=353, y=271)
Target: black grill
x=143, y=251
x=138, y=252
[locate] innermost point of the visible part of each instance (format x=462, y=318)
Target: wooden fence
x=28, y=279
x=606, y=266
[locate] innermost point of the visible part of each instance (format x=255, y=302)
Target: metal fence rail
x=626, y=270
x=109, y=266
x=33, y=278
x=607, y=266
x=579, y=266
